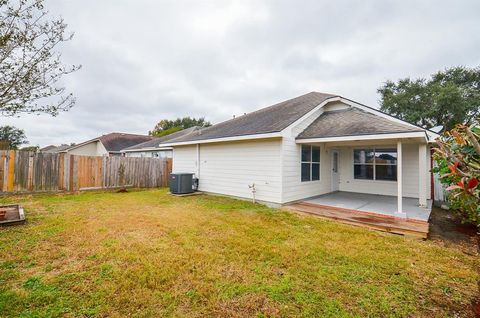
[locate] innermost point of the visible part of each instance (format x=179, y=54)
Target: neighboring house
x=314, y=145
x=106, y=145
x=153, y=149
x=55, y=149
x=47, y=148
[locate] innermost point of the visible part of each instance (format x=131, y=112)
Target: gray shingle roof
x=47, y=148
x=114, y=142
x=266, y=120
x=155, y=143
x=58, y=149
x=352, y=122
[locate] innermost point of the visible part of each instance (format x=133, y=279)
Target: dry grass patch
x=147, y=254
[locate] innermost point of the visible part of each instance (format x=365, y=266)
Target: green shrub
x=457, y=156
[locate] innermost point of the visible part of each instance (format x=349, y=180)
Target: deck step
x=368, y=220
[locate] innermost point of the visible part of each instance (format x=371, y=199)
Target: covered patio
x=373, y=203
x=376, y=212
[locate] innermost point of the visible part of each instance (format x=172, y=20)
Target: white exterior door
x=335, y=178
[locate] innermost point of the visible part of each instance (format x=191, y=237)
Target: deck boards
x=372, y=221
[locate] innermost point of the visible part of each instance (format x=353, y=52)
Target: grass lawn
x=148, y=254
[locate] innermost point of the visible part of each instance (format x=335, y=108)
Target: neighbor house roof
x=56, y=149
x=156, y=142
x=114, y=142
x=353, y=122
x=47, y=148
x=266, y=120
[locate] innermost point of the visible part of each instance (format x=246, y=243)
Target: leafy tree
x=448, y=98
x=457, y=156
x=166, y=126
x=13, y=136
x=30, y=68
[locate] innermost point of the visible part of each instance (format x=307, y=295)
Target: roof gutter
x=146, y=149
x=225, y=139
x=419, y=134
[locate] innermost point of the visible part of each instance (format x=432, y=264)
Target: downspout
x=196, y=179
x=198, y=161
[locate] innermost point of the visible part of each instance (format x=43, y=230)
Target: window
x=310, y=164
x=375, y=164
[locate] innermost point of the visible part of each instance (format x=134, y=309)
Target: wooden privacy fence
x=22, y=171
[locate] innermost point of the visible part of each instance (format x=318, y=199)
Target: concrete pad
x=380, y=204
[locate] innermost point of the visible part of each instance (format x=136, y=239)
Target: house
x=153, y=149
x=47, y=148
x=106, y=145
x=55, y=149
x=318, y=148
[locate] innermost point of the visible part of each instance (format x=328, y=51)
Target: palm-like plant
x=457, y=155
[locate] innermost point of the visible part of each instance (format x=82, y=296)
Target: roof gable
x=114, y=142
x=353, y=122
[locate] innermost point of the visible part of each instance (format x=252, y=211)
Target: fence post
x=11, y=171
x=3, y=159
x=30, y=173
x=70, y=173
x=61, y=171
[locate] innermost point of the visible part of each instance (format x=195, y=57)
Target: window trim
x=311, y=162
x=374, y=164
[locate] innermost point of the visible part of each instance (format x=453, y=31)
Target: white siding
x=410, y=175
x=335, y=106
x=94, y=148
x=228, y=168
x=293, y=188
x=184, y=159
x=429, y=175
x=149, y=154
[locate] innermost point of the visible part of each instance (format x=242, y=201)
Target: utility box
x=181, y=183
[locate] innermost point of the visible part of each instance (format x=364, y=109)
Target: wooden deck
x=368, y=220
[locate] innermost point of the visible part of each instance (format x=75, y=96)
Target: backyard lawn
x=148, y=254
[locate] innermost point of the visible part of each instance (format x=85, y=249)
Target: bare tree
x=30, y=68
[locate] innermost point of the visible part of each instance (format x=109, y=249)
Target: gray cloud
x=145, y=60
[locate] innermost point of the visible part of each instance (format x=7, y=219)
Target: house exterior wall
x=293, y=188
x=410, y=174
x=95, y=148
x=229, y=168
x=185, y=159
x=150, y=154
x=333, y=106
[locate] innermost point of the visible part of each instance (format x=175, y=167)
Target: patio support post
x=400, y=212
x=422, y=175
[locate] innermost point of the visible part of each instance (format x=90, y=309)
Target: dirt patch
x=476, y=308
x=446, y=226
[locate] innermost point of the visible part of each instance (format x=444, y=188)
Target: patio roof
x=354, y=122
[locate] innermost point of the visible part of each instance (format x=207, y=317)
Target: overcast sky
x=147, y=60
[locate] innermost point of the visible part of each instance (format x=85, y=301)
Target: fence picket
x=22, y=171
